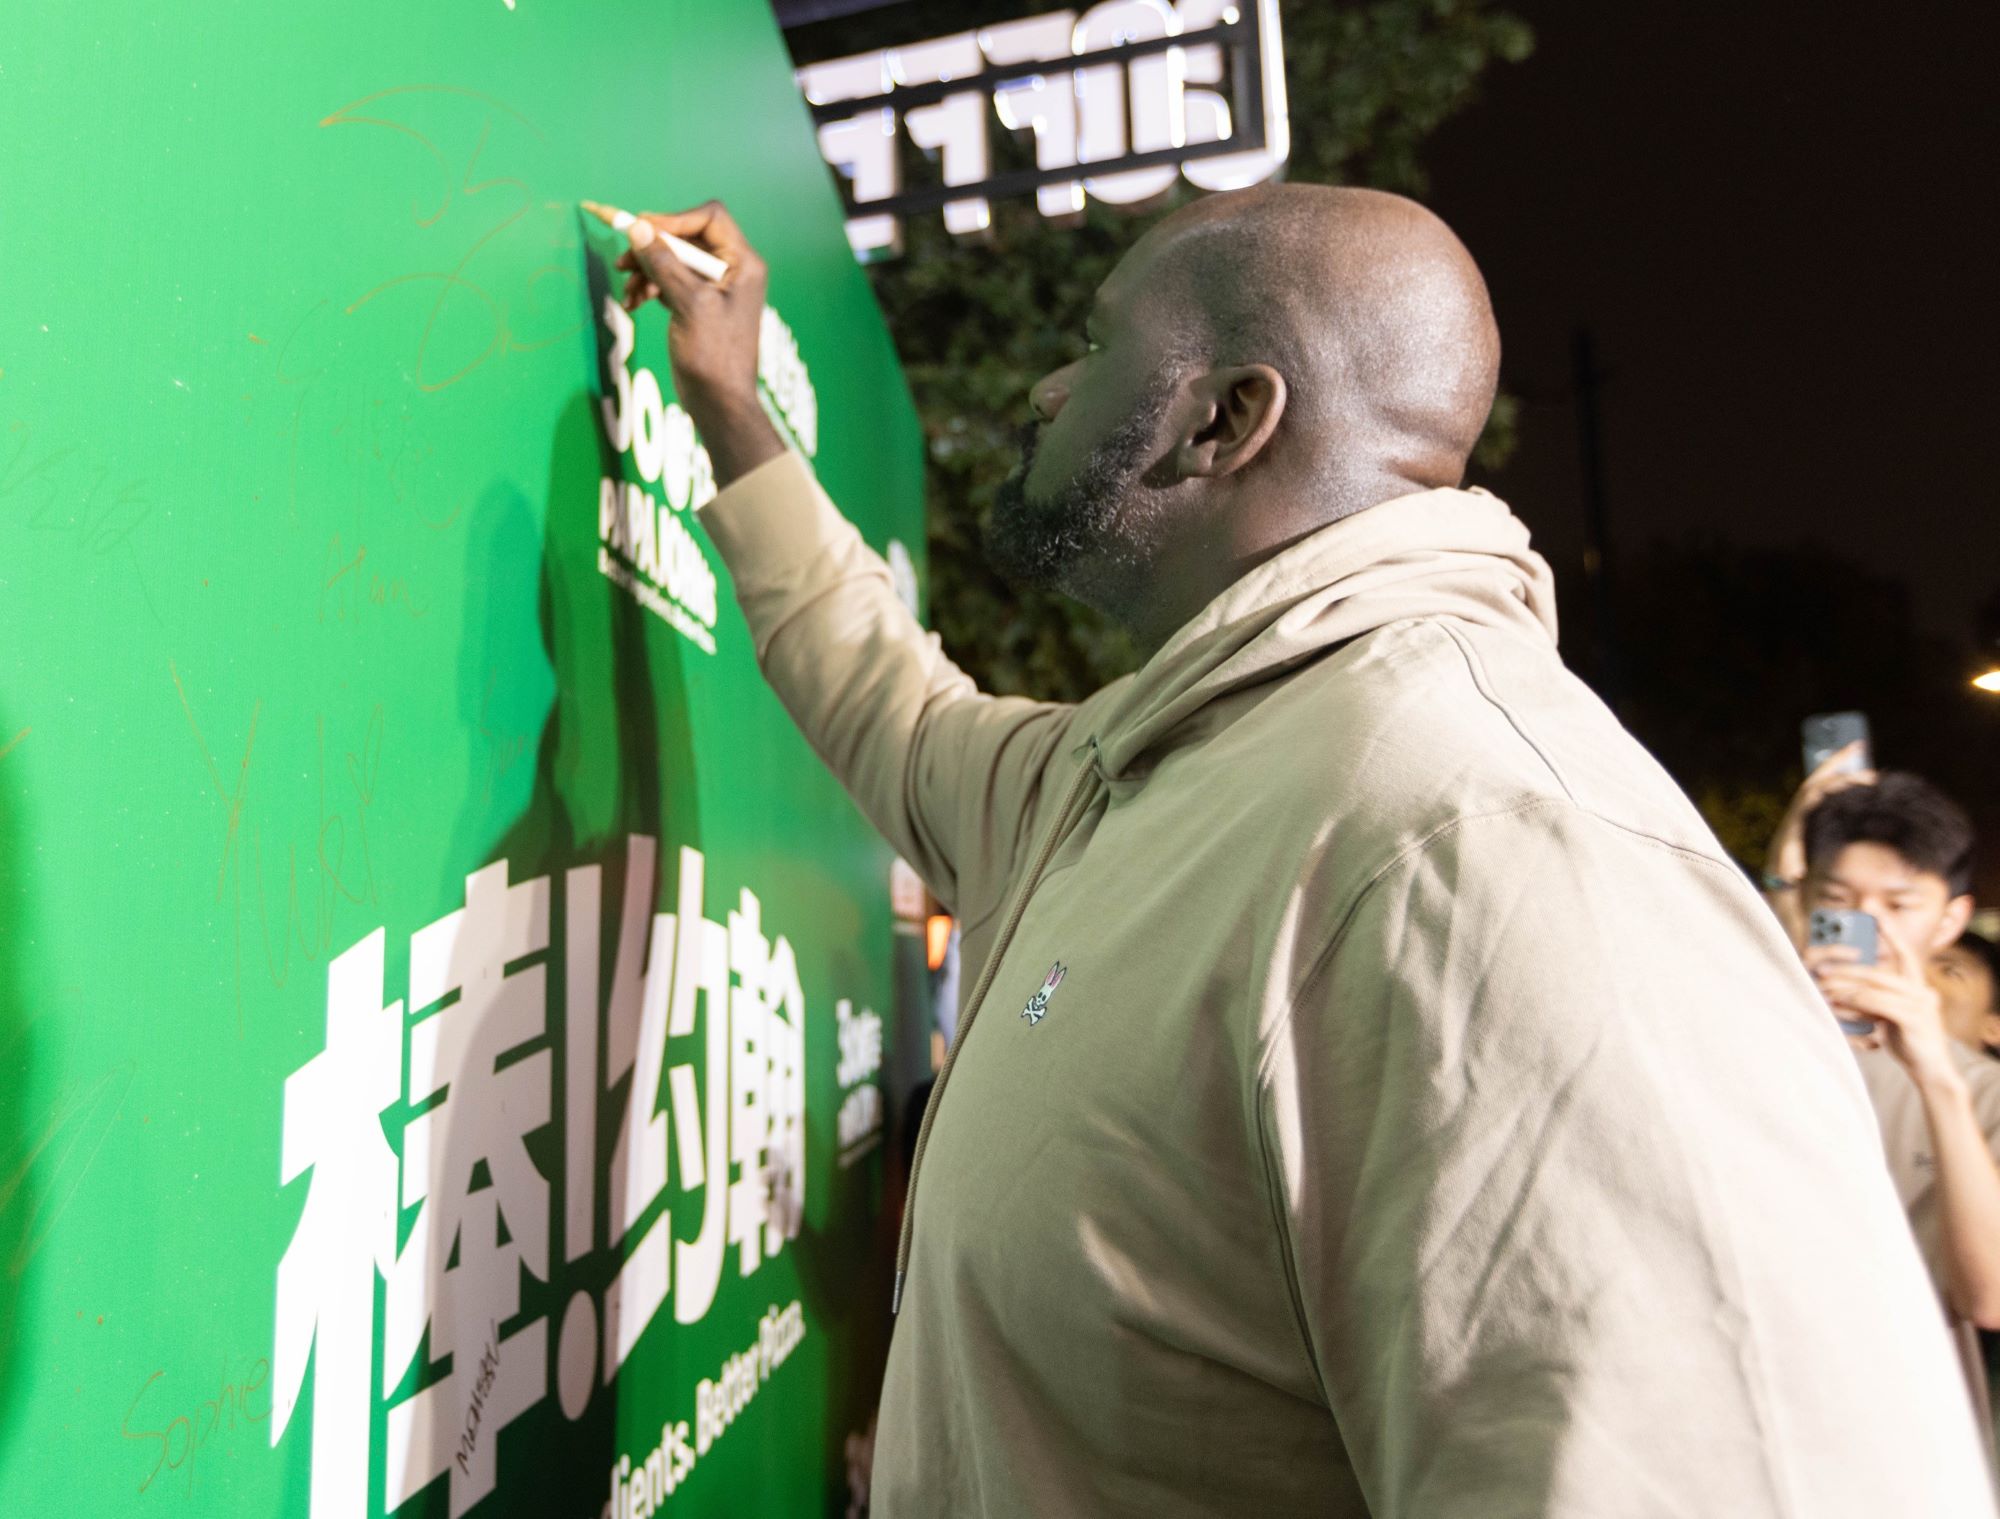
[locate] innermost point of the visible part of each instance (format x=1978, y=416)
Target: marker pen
x=700, y=260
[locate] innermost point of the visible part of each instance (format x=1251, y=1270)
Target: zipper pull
x=896, y=1297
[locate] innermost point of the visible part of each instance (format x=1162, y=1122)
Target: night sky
x=1779, y=221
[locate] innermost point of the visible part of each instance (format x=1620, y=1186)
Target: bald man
x=1366, y=1102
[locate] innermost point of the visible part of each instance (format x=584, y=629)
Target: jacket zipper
x=1056, y=834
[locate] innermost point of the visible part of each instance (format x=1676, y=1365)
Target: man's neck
x=1240, y=530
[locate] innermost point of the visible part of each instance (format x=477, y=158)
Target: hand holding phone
x=1837, y=757
x=1825, y=734
x=1894, y=995
x=1857, y=930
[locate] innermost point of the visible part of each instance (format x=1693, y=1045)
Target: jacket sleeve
x=1584, y=1206
x=946, y=773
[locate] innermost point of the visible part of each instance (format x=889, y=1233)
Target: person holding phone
x=1827, y=774
x=1897, y=849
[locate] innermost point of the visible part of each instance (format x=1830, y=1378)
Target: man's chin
x=1042, y=544
x=1017, y=551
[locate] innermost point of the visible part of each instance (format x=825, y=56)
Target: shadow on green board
x=48, y=1136
x=614, y=757
x=19, y=1194
x=506, y=687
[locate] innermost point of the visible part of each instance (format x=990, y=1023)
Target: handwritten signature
x=345, y=863
x=60, y=1154
x=346, y=586
x=489, y=1372
x=210, y=1418
x=510, y=200
x=71, y=491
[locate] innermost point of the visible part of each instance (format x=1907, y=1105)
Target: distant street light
x=1990, y=681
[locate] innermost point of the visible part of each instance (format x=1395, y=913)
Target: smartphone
x=1828, y=732
x=1829, y=926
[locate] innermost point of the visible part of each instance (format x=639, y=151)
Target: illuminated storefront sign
x=1148, y=90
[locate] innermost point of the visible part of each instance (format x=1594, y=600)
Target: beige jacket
x=1428, y=1119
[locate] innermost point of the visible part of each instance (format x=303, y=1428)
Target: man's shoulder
x=1428, y=722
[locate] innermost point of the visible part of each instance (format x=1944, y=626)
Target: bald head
x=1259, y=365
x=1366, y=303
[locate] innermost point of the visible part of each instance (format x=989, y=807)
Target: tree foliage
x=978, y=322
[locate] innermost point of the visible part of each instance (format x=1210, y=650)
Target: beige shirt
x=1906, y=1141
x=1368, y=1113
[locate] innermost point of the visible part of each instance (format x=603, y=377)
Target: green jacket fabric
x=1377, y=1092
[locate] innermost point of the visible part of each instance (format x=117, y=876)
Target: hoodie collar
x=1439, y=553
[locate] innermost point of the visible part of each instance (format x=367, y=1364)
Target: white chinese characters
x=703, y=1030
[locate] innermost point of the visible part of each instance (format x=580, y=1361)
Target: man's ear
x=1237, y=413
x=1957, y=913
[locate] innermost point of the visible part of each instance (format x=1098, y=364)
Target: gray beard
x=1057, y=542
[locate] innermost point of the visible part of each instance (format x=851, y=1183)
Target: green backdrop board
x=440, y=995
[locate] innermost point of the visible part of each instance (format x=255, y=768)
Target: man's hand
x=712, y=335
x=1786, y=860
x=1894, y=995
